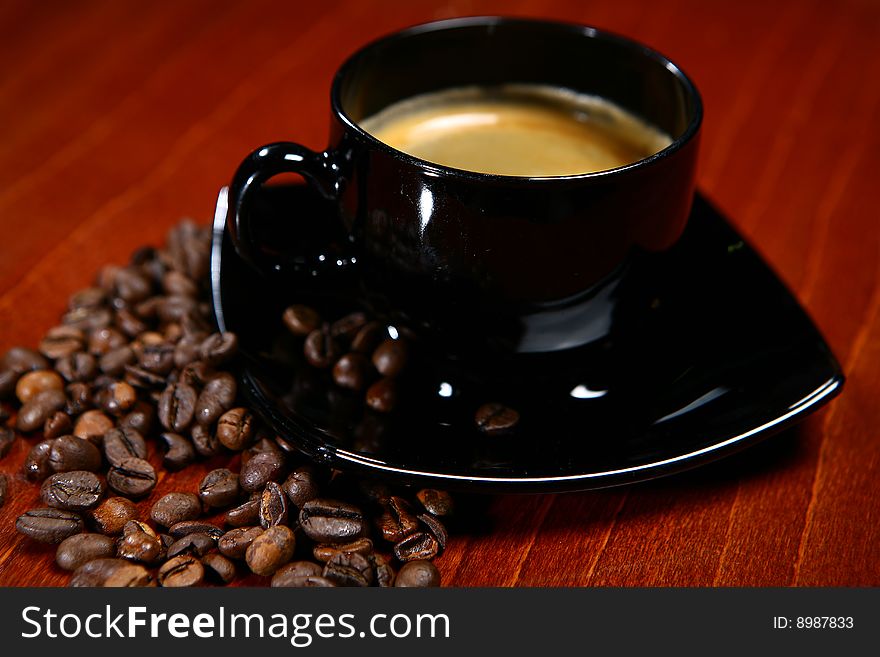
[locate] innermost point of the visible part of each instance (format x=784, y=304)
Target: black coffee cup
x=473, y=259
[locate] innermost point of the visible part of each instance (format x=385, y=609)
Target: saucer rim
x=324, y=453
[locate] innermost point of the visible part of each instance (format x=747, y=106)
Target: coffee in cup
x=516, y=130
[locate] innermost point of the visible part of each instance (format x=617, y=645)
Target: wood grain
x=121, y=117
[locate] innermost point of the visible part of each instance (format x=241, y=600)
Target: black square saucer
x=706, y=352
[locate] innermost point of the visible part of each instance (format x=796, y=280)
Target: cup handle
x=317, y=169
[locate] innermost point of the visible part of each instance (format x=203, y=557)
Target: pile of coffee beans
x=134, y=381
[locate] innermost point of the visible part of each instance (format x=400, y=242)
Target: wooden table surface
x=119, y=117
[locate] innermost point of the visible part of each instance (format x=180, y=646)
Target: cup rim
x=432, y=168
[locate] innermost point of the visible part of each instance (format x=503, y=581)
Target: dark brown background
x=119, y=117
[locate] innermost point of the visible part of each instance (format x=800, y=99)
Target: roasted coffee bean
x=189, y=250
x=235, y=542
x=70, y=453
x=391, y=357
x=260, y=470
x=205, y=441
x=177, y=406
x=177, y=284
x=352, y=371
x=121, y=444
x=90, y=297
x=131, y=285
x=106, y=277
x=235, y=429
x=92, y=424
x=196, y=374
x=301, y=320
x=36, y=465
x=77, y=367
x=218, y=568
x=7, y=439
x=244, y=515
x=331, y=521
x=219, y=349
x=8, y=379
x=219, y=488
x=296, y=569
x=141, y=418
x=382, y=395
x=302, y=582
x=113, y=362
x=436, y=502
x=79, y=399
x=325, y=551
x=88, y=319
x=496, y=419
x=273, y=506
x=419, y=574
x=62, y=341
x=49, y=525
x=4, y=489
x=260, y=446
x=105, y=340
x=111, y=573
x=397, y=520
x=33, y=383
x=186, y=527
x=117, y=398
x=187, y=350
x=111, y=515
x=176, y=507
x=436, y=528
x=420, y=545
x=216, y=398
x=320, y=349
x=142, y=379
x=140, y=543
x=196, y=544
x=157, y=359
x=23, y=359
x=369, y=337
x=180, y=451
x=133, y=477
x=129, y=323
x=301, y=486
x=148, y=339
x=57, y=424
x=79, y=549
x=77, y=490
x=270, y=550
x=349, y=569
x=33, y=414
x=347, y=327
x=384, y=573
x=149, y=308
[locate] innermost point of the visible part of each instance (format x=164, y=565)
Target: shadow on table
x=480, y=515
